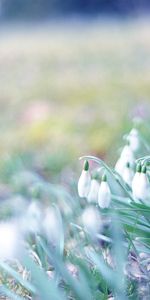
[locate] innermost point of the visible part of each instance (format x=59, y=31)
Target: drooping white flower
x=128, y=174
x=9, y=240
x=91, y=220
x=142, y=189
x=93, y=193
x=31, y=221
x=136, y=182
x=53, y=226
x=134, y=140
x=145, y=186
x=119, y=166
x=84, y=182
x=104, y=194
x=126, y=156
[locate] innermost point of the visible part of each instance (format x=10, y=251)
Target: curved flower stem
x=112, y=172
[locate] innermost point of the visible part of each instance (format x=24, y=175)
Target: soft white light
x=9, y=240
x=52, y=226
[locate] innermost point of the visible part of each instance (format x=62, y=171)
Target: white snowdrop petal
x=52, y=226
x=93, y=193
x=127, y=153
x=32, y=219
x=9, y=241
x=126, y=156
x=119, y=167
x=104, y=195
x=84, y=183
x=133, y=138
x=141, y=187
x=91, y=220
x=135, y=186
x=127, y=175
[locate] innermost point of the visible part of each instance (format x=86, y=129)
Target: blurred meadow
x=70, y=87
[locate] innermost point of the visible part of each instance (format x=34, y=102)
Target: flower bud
x=53, y=226
x=133, y=138
x=93, y=193
x=84, y=182
x=92, y=221
x=128, y=174
x=144, y=186
x=136, y=183
x=31, y=221
x=125, y=157
x=104, y=194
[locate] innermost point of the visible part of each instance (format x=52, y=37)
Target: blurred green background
x=71, y=87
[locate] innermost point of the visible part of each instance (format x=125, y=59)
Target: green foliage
x=97, y=266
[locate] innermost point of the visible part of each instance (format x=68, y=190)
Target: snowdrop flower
x=143, y=187
x=136, y=182
x=125, y=157
x=104, y=194
x=133, y=138
x=32, y=219
x=128, y=174
x=53, y=226
x=93, y=193
x=9, y=240
x=84, y=182
x=91, y=220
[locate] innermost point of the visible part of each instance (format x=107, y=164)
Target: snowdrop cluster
x=127, y=156
x=36, y=220
x=134, y=175
x=91, y=189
